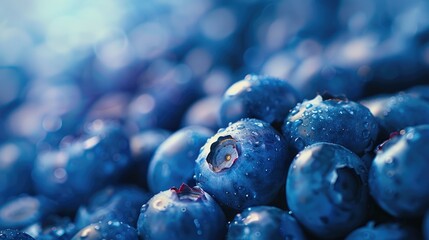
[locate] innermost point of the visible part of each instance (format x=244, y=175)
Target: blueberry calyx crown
x=184, y=192
x=223, y=154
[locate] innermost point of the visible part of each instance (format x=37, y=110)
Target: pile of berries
x=209, y=119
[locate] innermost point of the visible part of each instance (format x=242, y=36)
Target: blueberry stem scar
x=223, y=154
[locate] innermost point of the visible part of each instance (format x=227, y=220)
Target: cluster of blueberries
x=152, y=128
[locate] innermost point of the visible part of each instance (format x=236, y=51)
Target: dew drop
x=297, y=122
x=294, y=112
x=259, y=124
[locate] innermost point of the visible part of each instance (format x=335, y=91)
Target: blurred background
x=144, y=62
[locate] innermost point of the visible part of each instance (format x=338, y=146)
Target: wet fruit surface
x=327, y=189
x=181, y=213
x=244, y=164
x=400, y=167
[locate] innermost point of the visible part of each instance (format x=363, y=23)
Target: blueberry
x=184, y=213
x=143, y=146
x=244, y=164
x=23, y=211
x=120, y=203
x=113, y=230
x=326, y=189
x=397, y=176
x=70, y=175
x=264, y=222
x=107, y=144
x=333, y=120
x=393, y=231
x=13, y=234
x=174, y=161
x=16, y=162
x=398, y=111
x=262, y=97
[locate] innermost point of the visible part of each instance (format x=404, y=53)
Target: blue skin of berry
x=244, y=164
x=261, y=97
x=113, y=230
x=108, y=141
x=63, y=230
x=143, y=146
x=204, y=112
x=398, y=175
x=396, y=112
x=338, y=121
x=16, y=162
x=120, y=203
x=184, y=213
x=174, y=161
x=23, y=211
x=13, y=234
x=70, y=175
x=327, y=191
x=392, y=231
x=264, y=222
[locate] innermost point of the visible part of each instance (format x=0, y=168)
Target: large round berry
x=244, y=164
x=264, y=222
x=393, y=231
x=261, y=97
x=331, y=120
x=327, y=190
x=184, y=213
x=112, y=230
x=398, y=176
x=70, y=175
x=174, y=161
